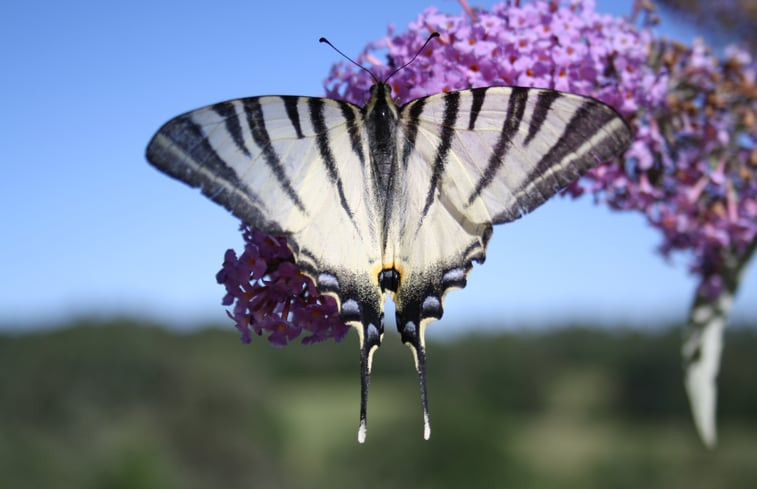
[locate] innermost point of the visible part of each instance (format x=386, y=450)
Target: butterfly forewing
x=513, y=148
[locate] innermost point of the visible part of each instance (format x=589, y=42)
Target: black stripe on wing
x=181, y=149
x=479, y=94
x=415, y=109
x=451, y=109
x=256, y=121
x=322, y=138
x=228, y=112
x=595, y=129
x=353, y=129
x=516, y=107
x=293, y=112
x=591, y=118
x=543, y=103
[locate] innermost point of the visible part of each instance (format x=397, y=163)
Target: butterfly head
x=381, y=90
x=381, y=103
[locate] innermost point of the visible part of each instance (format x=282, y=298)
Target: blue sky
x=88, y=227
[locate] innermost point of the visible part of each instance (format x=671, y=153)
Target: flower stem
x=703, y=344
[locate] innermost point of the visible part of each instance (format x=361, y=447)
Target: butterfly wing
x=480, y=157
x=293, y=167
x=487, y=156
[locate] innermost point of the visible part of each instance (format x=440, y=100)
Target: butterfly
x=386, y=198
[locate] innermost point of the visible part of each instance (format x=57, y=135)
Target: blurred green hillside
x=128, y=405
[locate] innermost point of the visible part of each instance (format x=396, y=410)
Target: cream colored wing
x=475, y=158
x=293, y=167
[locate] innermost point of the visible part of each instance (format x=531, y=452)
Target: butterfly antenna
x=433, y=35
x=323, y=39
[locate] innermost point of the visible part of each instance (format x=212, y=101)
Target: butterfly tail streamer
x=412, y=337
x=365, y=378
x=370, y=340
x=420, y=353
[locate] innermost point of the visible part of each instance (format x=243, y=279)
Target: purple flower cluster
x=270, y=295
x=566, y=47
x=691, y=168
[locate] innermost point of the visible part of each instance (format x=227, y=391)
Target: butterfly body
x=385, y=198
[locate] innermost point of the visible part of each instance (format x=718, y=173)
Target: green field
x=123, y=404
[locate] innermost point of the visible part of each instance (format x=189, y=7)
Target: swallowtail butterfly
x=386, y=198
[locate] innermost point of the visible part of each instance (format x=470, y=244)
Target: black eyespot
x=389, y=279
